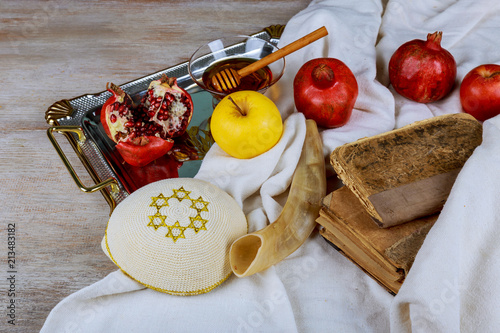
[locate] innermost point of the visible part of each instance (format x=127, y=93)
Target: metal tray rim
x=69, y=113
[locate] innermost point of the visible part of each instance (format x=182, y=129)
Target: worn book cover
x=386, y=254
x=407, y=173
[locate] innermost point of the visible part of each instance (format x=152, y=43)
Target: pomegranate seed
x=112, y=118
x=129, y=124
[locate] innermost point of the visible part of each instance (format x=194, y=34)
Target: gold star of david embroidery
x=197, y=223
x=181, y=194
x=197, y=203
x=152, y=219
x=159, y=201
x=176, y=230
x=176, y=235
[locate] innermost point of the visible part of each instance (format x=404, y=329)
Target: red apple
x=480, y=92
x=325, y=90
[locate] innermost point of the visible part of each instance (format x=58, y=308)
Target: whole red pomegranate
x=480, y=92
x=144, y=132
x=325, y=90
x=422, y=70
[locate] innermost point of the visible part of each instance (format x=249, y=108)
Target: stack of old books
x=395, y=185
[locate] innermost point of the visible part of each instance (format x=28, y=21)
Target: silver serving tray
x=78, y=120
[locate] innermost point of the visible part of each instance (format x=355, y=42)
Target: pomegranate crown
x=118, y=92
x=434, y=40
x=113, y=88
x=170, y=81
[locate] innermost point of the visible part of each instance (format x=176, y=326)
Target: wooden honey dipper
x=229, y=78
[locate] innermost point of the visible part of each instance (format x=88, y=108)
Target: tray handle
x=112, y=182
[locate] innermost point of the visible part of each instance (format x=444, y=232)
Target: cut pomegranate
x=144, y=132
x=168, y=106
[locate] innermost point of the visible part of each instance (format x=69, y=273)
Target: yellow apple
x=246, y=124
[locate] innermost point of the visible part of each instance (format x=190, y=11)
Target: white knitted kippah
x=174, y=235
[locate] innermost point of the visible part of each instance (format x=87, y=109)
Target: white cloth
x=451, y=286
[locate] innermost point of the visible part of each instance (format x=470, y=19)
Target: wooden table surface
x=60, y=49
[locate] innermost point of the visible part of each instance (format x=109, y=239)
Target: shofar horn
x=257, y=251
